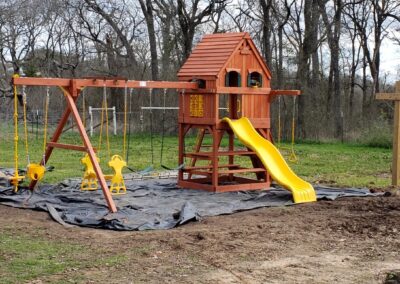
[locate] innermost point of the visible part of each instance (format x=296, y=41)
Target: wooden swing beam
x=71, y=89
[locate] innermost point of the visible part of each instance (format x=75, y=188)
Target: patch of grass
x=344, y=164
x=379, y=134
x=26, y=258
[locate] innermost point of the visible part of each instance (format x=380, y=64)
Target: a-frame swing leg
x=72, y=109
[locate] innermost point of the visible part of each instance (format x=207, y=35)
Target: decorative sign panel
x=196, y=106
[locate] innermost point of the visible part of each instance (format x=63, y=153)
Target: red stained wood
x=68, y=146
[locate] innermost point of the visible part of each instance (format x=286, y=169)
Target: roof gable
x=213, y=53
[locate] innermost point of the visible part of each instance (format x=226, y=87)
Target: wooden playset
x=230, y=66
x=222, y=67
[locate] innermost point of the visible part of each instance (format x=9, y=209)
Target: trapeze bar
x=162, y=108
x=100, y=108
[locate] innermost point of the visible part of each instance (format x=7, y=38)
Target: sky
x=390, y=60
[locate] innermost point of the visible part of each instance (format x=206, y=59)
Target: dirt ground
x=350, y=240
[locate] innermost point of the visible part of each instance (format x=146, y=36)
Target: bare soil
x=350, y=240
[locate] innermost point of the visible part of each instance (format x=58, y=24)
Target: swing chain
x=125, y=117
x=46, y=124
x=16, y=178
x=105, y=107
x=163, y=126
x=24, y=102
x=84, y=107
x=279, y=122
x=151, y=125
x=293, y=158
x=129, y=129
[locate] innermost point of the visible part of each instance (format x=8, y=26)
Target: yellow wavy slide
x=272, y=160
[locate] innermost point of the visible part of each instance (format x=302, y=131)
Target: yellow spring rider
x=34, y=171
x=117, y=163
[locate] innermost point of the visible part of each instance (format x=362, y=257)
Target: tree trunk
x=266, y=39
x=147, y=10
x=334, y=88
x=308, y=48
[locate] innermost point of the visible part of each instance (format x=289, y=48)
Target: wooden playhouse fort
x=233, y=81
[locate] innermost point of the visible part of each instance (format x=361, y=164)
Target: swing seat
x=35, y=171
x=89, y=181
x=15, y=180
x=117, y=181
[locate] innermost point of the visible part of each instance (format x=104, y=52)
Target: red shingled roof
x=211, y=54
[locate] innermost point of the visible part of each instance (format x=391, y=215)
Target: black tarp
x=150, y=204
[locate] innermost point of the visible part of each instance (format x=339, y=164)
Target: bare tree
x=121, y=31
x=333, y=31
x=147, y=9
x=190, y=17
x=378, y=19
x=281, y=12
x=266, y=8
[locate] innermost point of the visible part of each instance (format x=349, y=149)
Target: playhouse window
x=254, y=79
x=201, y=82
x=233, y=79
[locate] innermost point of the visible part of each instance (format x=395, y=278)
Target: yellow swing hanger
x=16, y=179
x=35, y=172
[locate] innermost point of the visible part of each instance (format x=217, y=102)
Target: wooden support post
x=396, y=132
x=181, y=149
x=215, y=146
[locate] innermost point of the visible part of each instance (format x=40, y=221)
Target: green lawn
x=343, y=164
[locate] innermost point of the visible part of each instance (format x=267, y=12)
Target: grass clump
x=378, y=135
x=25, y=259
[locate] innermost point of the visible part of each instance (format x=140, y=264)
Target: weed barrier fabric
x=150, y=204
